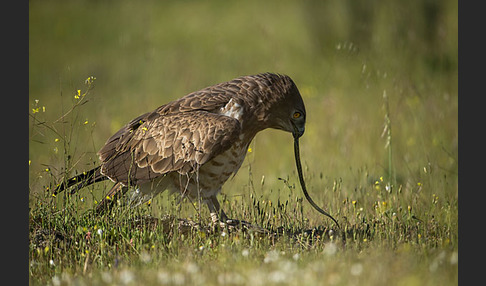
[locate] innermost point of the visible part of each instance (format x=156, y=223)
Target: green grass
x=395, y=194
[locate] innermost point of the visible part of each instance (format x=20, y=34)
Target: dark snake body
x=302, y=183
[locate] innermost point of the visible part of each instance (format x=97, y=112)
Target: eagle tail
x=80, y=181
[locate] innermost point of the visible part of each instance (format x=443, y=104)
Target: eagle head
x=286, y=109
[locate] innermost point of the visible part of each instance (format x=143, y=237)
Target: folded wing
x=154, y=144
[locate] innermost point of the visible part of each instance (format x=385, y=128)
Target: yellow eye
x=297, y=115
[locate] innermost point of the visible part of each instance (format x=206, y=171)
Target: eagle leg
x=217, y=214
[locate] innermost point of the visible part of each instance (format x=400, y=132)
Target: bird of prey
x=194, y=144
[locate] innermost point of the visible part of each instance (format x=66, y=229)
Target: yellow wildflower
x=90, y=80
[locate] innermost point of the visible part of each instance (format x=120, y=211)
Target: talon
x=222, y=224
x=232, y=222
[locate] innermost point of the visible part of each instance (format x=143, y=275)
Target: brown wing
x=154, y=144
x=182, y=134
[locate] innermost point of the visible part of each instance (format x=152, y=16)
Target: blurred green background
x=343, y=56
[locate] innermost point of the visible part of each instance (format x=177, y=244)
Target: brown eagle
x=194, y=144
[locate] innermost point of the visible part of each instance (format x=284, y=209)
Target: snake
x=302, y=182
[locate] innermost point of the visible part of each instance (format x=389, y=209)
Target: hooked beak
x=297, y=133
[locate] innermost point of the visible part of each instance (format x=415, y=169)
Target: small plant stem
x=388, y=145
